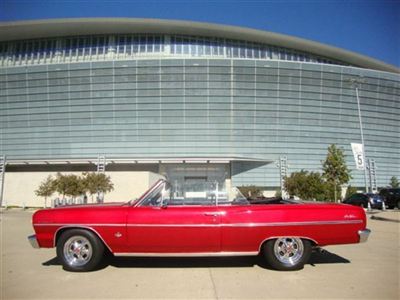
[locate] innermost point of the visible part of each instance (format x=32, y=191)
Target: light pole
x=283, y=170
x=356, y=82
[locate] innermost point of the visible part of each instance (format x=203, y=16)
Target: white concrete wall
x=19, y=187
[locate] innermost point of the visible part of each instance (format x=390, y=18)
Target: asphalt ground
x=359, y=271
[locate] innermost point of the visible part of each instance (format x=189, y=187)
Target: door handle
x=212, y=214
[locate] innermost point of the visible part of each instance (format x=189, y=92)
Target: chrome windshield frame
x=142, y=198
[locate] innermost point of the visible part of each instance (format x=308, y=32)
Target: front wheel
x=287, y=253
x=79, y=250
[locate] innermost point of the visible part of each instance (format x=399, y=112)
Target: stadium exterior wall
x=189, y=107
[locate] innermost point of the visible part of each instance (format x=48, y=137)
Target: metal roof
x=138, y=160
x=85, y=26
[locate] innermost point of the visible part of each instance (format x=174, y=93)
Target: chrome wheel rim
x=288, y=250
x=77, y=251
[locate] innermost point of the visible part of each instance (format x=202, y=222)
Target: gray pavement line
x=213, y=284
x=384, y=219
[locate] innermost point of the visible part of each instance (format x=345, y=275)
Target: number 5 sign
x=358, y=151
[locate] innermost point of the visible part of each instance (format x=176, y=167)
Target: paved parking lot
x=369, y=270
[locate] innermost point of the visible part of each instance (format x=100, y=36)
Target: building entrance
x=198, y=180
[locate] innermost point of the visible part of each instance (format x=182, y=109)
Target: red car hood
x=83, y=213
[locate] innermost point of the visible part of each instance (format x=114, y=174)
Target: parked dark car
x=362, y=199
x=391, y=196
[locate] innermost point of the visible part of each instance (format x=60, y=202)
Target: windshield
x=207, y=193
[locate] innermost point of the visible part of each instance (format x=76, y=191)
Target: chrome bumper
x=34, y=243
x=364, y=234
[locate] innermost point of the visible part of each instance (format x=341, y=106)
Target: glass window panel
x=200, y=47
x=274, y=53
x=228, y=48
x=135, y=46
x=81, y=43
x=207, y=48
x=242, y=51
x=214, y=47
x=263, y=53
x=102, y=41
x=178, y=47
x=157, y=43
x=172, y=45
x=185, y=46
x=193, y=47
x=17, y=48
x=142, y=44
x=235, y=51
x=221, y=47
x=249, y=52
x=150, y=42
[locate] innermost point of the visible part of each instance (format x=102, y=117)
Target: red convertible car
x=167, y=222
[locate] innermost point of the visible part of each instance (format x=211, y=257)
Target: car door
x=238, y=233
x=182, y=229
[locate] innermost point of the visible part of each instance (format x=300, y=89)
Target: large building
x=195, y=102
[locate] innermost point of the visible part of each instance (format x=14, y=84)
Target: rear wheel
x=287, y=253
x=79, y=250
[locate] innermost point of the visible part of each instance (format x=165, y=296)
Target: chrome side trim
x=80, y=227
x=364, y=234
x=194, y=254
x=33, y=241
x=270, y=224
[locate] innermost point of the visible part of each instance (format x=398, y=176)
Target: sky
x=368, y=27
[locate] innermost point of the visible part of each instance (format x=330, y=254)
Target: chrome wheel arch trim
x=285, y=236
x=79, y=227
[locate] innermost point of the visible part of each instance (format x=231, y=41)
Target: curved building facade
x=196, y=102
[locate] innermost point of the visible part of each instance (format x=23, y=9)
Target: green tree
x=97, y=182
x=278, y=194
x=318, y=188
x=46, y=189
x=394, y=182
x=296, y=184
x=350, y=191
x=306, y=185
x=69, y=185
x=335, y=169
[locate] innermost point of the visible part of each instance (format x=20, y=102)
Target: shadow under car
x=317, y=257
